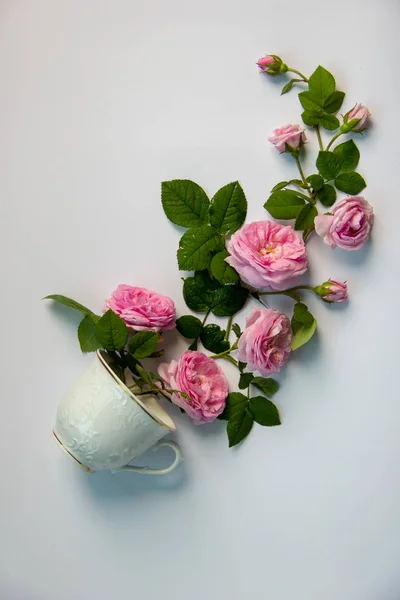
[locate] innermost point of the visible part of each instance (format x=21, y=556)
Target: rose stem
x=335, y=137
x=317, y=129
x=305, y=79
x=303, y=177
x=228, y=327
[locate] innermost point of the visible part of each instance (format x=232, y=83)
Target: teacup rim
x=137, y=400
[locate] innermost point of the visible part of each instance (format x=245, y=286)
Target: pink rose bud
x=267, y=255
x=272, y=65
x=332, y=291
x=265, y=343
x=356, y=119
x=142, y=309
x=200, y=378
x=349, y=224
x=289, y=138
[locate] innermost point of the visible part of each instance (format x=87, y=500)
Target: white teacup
x=101, y=424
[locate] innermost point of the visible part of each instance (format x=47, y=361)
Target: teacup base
x=76, y=461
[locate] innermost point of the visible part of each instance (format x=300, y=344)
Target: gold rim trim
x=71, y=455
x=132, y=395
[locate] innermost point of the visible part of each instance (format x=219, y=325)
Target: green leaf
x=333, y=102
x=228, y=208
x=228, y=300
x=213, y=339
x=220, y=269
x=327, y=195
x=242, y=366
x=239, y=427
x=311, y=117
x=111, y=331
x=329, y=122
x=284, y=204
x=310, y=101
x=193, y=345
x=143, y=344
x=303, y=335
x=197, y=246
x=266, y=384
x=197, y=298
x=205, y=282
x=188, y=326
x=185, y=203
x=315, y=181
x=235, y=402
x=288, y=86
x=351, y=183
x=348, y=154
x=298, y=183
x=305, y=218
x=302, y=314
x=280, y=186
x=70, y=303
x=87, y=335
x=131, y=363
x=245, y=380
x=144, y=375
x=328, y=164
x=264, y=411
x=236, y=330
x=322, y=84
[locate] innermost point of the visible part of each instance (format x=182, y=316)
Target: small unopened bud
x=332, y=291
x=356, y=119
x=272, y=65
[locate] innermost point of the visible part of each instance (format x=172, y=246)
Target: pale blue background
x=100, y=101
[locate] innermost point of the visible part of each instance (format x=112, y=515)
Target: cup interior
x=147, y=402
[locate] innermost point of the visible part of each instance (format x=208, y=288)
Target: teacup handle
x=149, y=471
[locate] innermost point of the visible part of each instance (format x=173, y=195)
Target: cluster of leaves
x=202, y=247
x=242, y=411
x=321, y=100
x=337, y=166
x=110, y=333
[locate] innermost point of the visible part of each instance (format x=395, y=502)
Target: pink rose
x=265, y=343
x=272, y=64
x=202, y=380
x=289, y=135
x=142, y=309
x=348, y=226
x=264, y=61
x=267, y=255
x=358, y=112
x=332, y=291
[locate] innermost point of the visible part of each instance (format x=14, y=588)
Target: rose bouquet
x=235, y=265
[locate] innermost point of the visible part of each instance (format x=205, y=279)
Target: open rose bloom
x=142, y=309
x=265, y=343
x=288, y=137
x=349, y=225
x=202, y=380
x=267, y=255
